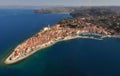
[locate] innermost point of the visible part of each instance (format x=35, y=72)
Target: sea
x=77, y=57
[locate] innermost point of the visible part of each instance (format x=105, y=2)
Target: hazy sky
x=59, y=2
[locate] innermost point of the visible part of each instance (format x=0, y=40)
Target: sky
x=59, y=2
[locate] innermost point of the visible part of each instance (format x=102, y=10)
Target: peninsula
x=86, y=26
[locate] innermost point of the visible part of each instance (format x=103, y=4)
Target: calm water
x=79, y=57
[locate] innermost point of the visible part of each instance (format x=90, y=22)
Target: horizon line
x=52, y=5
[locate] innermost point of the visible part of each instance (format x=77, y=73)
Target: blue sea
x=78, y=57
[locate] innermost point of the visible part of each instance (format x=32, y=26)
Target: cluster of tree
x=109, y=22
x=72, y=23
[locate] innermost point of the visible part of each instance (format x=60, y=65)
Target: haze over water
x=79, y=57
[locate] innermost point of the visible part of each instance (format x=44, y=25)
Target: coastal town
x=83, y=25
